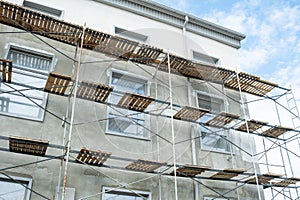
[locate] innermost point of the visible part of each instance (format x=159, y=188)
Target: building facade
x=151, y=130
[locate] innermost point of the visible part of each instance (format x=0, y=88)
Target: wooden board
x=144, y=165
x=263, y=179
x=93, y=91
x=222, y=119
x=146, y=55
x=190, y=113
x=135, y=102
x=57, y=83
x=275, y=131
x=28, y=146
x=228, y=173
x=120, y=47
x=250, y=84
x=253, y=125
x=6, y=70
x=95, y=40
x=284, y=183
x=92, y=157
x=177, y=64
x=190, y=170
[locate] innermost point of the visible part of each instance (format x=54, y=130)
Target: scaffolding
x=120, y=49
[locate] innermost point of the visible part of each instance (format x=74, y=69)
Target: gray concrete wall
x=92, y=134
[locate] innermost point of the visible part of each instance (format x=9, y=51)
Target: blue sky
x=272, y=46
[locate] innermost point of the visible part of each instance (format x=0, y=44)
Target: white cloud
x=272, y=30
x=253, y=57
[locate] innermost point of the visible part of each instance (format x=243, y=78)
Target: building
x=155, y=115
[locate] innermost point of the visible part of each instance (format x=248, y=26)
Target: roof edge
x=170, y=16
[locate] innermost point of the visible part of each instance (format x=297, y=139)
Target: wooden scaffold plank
x=6, y=70
x=93, y=91
x=135, y=102
x=146, y=54
x=222, y=119
x=28, y=146
x=96, y=40
x=189, y=113
x=228, y=173
x=119, y=47
x=92, y=157
x=57, y=83
x=263, y=179
x=250, y=84
x=253, y=125
x=144, y=165
x=276, y=131
x=178, y=64
x=286, y=182
x=190, y=170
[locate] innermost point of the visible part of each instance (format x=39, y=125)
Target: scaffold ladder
x=292, y=105
x=294, y=112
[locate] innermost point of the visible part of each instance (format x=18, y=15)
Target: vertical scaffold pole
x=172, y=127
x=72, y=116
x=65, y=128
x=247, y=127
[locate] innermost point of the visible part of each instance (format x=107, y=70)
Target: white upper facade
x=158, y=25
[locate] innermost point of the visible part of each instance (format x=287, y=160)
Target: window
x=132, y=124
x=122, y=194
x=213, y=142
x=10, y=189
x=212, y=103
x=28, y=67
x=205, y=58
x=44, y=9
x=214, y=198
x=212, y=139
x=131, y=35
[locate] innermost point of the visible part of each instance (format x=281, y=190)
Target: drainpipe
x=185, y=23
x=186, y=52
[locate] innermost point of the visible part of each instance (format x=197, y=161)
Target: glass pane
x=210, y=103
x=134, y=122
x=125, y=125
x=20, y=106
x=120, y=195
x=13, y=191
x=28, y=59
x=128, y=84
x=214, y=142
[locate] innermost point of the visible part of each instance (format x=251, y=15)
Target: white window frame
x=115, y=190
x=211, y=96
x=219, y=133
x=214, y=198
x=19, y=178
x=146, y=118
x=204, y=58
x=37, y=6
x=37, y=75
x=131, y=35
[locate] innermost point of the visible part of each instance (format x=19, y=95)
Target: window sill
x=23, y=117
x=216, y=151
